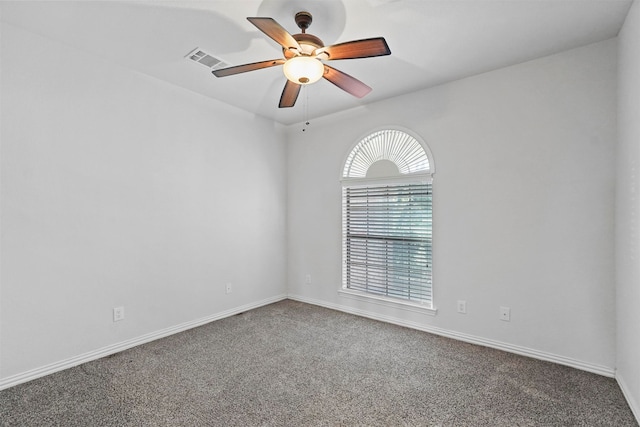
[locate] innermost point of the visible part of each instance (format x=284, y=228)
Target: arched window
x=387, y=218
x=395, y=146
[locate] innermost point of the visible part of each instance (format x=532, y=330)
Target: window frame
x=419, y=177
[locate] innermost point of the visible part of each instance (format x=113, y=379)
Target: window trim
x=381, y=300
x=415, y=178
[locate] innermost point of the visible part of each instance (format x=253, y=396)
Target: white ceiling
x=432, y=41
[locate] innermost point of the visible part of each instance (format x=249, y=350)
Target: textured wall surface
x=121, y=190
x=523, y=204
x=628, y=209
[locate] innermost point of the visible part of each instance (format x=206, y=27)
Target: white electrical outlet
x=307, y=279
x=228, y=289
x=505, y=314
x=462, y=307
x=118, y=314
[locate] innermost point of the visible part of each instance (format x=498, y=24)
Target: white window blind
x=387, y=238
x=390, y=144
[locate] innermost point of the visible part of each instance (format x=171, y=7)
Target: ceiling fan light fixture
x=303, y=70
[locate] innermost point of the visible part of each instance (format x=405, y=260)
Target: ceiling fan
x=303, y=56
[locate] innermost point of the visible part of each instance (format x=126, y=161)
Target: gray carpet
x=294, y=364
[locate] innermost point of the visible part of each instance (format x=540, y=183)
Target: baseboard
x=118, y=347
x=124, y=345
x=523, y=351
x=633, y=404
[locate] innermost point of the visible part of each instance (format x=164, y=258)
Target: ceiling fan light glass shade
x=303, y=70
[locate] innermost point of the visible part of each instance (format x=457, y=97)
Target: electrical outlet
x=462, y=307
x=505, y=314
x=307, y=279
x=228, y=289
x=118, y=314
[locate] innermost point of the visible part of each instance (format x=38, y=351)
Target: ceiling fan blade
x=223, y=72
x=289, y=94
x=274, y=30
x=365, y=48
x=345, y=82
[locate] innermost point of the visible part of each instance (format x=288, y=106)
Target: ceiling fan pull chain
x=305, y=109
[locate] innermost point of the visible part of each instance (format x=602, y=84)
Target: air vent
x=205, y=59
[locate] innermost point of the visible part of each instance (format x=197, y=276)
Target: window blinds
x=387, y=240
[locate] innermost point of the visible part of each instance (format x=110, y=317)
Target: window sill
x=389, y=302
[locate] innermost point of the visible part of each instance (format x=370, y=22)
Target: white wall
x=627, y=211
x=523, y=205
x=121, y=190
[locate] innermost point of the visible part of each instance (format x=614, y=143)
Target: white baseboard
x=118, y=347
x=633, y=404
x=523, y=351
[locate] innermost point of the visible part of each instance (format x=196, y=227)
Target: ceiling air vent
x=205, y=59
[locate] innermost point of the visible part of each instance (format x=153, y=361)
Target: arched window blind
x=390, y=144
x=387, y=224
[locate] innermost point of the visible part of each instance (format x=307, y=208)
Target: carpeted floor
x=294, y=364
